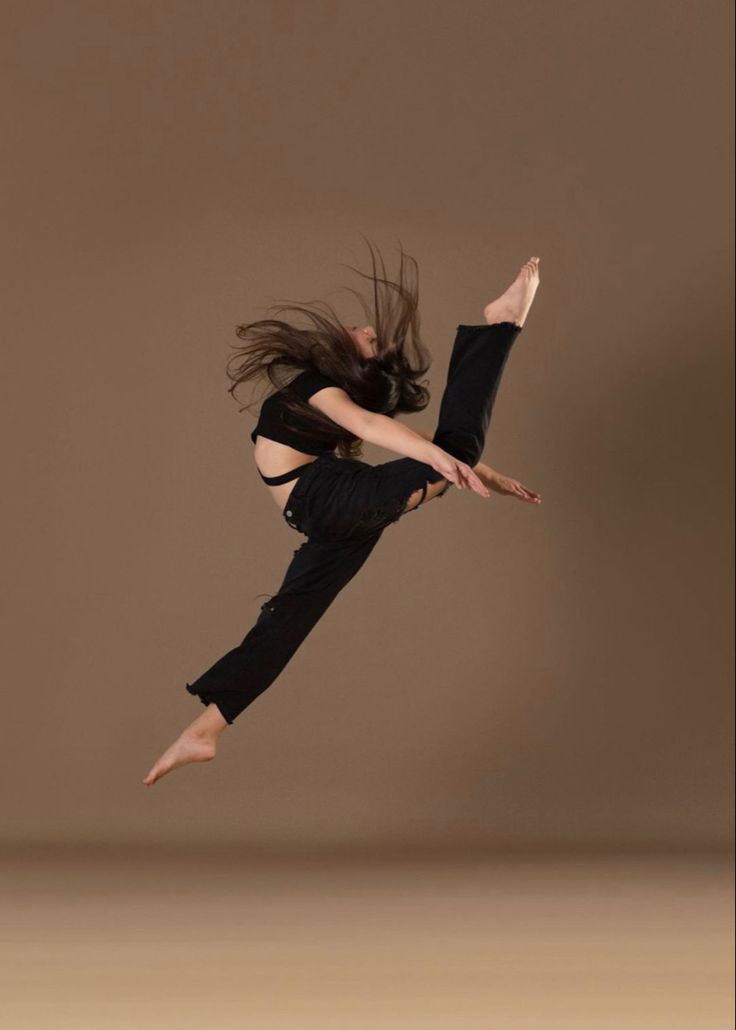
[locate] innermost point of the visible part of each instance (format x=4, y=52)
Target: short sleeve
x=309, y=382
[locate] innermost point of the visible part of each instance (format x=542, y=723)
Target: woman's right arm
x=394, y=436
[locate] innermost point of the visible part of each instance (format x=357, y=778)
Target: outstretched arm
x=386, y=432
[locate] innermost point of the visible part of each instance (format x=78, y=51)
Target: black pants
x=342, y=506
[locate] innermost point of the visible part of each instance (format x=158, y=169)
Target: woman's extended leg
x=315, y=576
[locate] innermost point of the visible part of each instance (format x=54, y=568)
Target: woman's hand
x=506, y=485
x=460, y=474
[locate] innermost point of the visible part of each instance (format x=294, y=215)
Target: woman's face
x=365, y=339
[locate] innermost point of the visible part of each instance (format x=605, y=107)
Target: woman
x=351, y=383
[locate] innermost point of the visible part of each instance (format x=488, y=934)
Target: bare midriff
x=273, y=459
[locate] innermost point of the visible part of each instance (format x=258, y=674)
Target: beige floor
x=177, y=942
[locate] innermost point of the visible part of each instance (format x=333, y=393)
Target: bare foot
x=197, y=743
x=514, y=304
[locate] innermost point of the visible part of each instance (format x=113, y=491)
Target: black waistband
x=285, y=477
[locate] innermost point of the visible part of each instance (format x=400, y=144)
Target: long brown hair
x=388, y=383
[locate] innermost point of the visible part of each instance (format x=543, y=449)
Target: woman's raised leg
x=478, y=358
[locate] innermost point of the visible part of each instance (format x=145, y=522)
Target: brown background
x=497, y=672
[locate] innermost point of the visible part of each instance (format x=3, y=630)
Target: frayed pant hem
x=207, y=700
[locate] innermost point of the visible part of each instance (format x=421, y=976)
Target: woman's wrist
x=430, y=452
x=485, y=473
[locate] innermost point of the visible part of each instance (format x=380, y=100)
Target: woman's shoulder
x=308, y=381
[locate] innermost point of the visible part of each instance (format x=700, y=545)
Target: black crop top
x=271, y=422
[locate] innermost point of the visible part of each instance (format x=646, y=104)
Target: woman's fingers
x=530, y=495
x=463, y=477
x=474, y=482
x=480, y=487
x=525, y=493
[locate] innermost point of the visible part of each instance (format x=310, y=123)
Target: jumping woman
x=337, y=386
